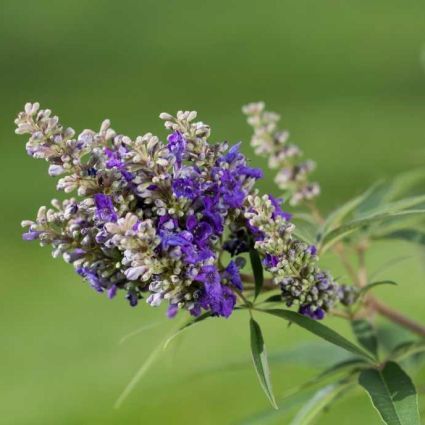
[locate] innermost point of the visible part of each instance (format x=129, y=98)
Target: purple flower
x=254, y=173
x=200, y=230
x=231, y=273
x=231, y=190
x=315, y=314
x=186, y=187
x=31, y=235
x=105, y=210
x=217, y=297
x=270, y=261
x=115, y=160
x=312, y=250
x=112, y=291
x=278, y=212
x=172, y=310
x=209, y=275
x=176, y=239
x=95, y=281
x=132, y=298
x=177, y=146
x=232, y=155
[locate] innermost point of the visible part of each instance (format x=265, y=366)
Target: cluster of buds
x=291, y=262
x=269, y=141
x=152, y=219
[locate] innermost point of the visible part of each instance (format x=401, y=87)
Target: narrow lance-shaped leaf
x=257, y=269
x=392, y=393
x=150, y=360
x=320, y=330
x=318, y=402
x=340, y=213
x=408, y=235
x=365, y=334
x=259, y=357
x=407, y=349
x=340, y=232
x=192, y=322
x=372, y=285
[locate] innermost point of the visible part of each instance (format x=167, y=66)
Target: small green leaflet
x=257, y=269
x=150, y=360
x=392, y=393
x=407, y=349
x=259, y=357
x=318, y=402
x=366, y=335
x=185, y=326
x=372, y=285
x=320, y=330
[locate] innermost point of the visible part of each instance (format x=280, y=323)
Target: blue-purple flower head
x=152, y=219
x=105, y=210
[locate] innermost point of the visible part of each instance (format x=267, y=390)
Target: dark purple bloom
x=312, y=250
x=105, y=210
x=185, y=188
x=231, y=273
x=270, y=261
x=95, y=281
x=315, y=314
x=201, y=231
x=231, y=190
x=209, y=275
x=278, y=210
x=181, y=239
x=177, y=146
x=254, y=173
x=217, y=297
x=132, y=298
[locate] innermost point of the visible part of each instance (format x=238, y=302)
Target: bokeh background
x=348, y=78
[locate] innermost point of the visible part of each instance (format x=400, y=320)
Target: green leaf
x=407, y=349
x=286, y=404
x=392, y=393
x=259, y=357
x=408, y=235
x=385, y=192
x=349, y=367
x=340, y=232
x=404, y=183
x=150, y=360
x=397, y=206
x=340, y=213
x=372, y=285
x=277, y=298
x=318, y=402
x=190, y=323
x=366, y=335
x=320, y=330
x=257, y=269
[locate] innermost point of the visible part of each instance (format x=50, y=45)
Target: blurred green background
x=349, y=80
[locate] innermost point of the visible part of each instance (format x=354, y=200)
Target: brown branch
x=395, y=316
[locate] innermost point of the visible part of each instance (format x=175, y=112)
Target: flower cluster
x=291, y=262
x=268, y=141
x=153, y=219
